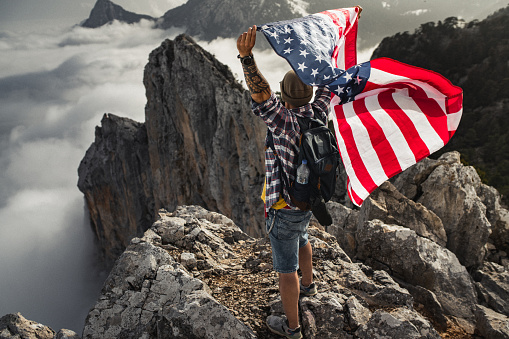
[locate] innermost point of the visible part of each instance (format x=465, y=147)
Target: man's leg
x=289, y=290
x=306, y=264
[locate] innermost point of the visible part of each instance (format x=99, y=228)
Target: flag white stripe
x=427, y=133
x=392, y=132
x=363, y=144
x=354, y=181
x=453, y=120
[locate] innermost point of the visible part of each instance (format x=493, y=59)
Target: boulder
x=392, y=207
x=491, y=324
x=449, y=189
x=147, y=294
x=418, y=261
x=399, y=323
x=16, y=326
x=344, y=226
x=492, y=283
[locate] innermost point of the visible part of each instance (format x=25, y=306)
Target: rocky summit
x=387, y=270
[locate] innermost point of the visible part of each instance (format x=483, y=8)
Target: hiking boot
x=279, y=326
x=308, y=291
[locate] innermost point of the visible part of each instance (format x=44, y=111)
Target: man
x=286, y=224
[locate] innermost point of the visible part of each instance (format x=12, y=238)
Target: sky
x=56, y=82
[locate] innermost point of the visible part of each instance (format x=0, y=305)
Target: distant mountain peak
x=105, y=12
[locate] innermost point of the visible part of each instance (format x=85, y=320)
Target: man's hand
x=246, y=41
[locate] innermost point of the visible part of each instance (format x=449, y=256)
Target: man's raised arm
x=256, y=82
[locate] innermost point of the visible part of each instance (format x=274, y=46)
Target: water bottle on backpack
x=303, y=173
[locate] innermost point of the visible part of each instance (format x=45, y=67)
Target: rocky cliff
x=105, y=12
x=200, y=144
x=392, y=270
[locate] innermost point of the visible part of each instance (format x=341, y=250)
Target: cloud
x=55, y=85
x=416, y=12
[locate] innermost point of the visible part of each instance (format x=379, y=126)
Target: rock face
x=200, y=144
x=431, y=229
x=149, y=294
x=16, y=326
x=115, y=177
x=105, y=12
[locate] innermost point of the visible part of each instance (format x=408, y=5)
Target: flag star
x=288, y=41
x=288, y=50
x=326, y=77
x=319, y=58
x=358, y=80
x=273, y=34
x=304, y=53
x=302, y=67
x=348, y=76
x=314, y=72
x=288, y=30
x=340, y=90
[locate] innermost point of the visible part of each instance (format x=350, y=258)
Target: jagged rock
x=497, y=216
x=105, y=12
x=491, y=324
x=421, y=262
x=67, y=334
x=206, y=147
x=200, y=145
x=117, y=183
x=400, y=323
x=226, y=18
x=344, y=226
x=449, y=189
x=149, y=294
x=492, y=283
x=233, y=284
x=358, y=315
x=392, y=207
x=16, y=326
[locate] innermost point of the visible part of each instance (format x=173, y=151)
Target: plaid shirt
x=283, y=125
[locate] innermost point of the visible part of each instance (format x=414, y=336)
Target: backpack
x=319, y=147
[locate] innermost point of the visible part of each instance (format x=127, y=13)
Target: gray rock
x=147, y=292
x=344, y=226
x=421, y=262
x=67, y=334
x=392, y=207
x=497, y=216
x=357, y=314
x=105, y=12
x=491, y=324
x=400, y=323
x=451, y=192
x=16, y=326
x=492, y=283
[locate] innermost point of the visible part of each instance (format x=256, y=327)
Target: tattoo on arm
x=256, y=82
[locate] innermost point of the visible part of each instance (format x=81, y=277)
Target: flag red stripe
x=404, y=123
x=379, y=141
x=436, y=80
x=358, y=166
x=352, y=195
x=455, y=103
x=433, y=112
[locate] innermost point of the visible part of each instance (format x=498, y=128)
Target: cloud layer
x=55, y=85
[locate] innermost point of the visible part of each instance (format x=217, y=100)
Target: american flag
x=387, y=115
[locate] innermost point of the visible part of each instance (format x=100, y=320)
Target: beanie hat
x=294, y=91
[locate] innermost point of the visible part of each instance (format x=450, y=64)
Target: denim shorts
x=287, y=233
